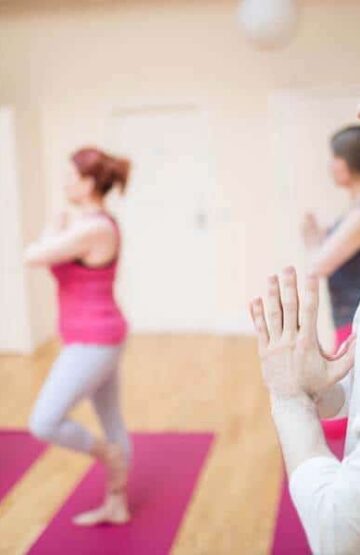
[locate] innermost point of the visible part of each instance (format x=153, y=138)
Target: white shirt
x=325, y=491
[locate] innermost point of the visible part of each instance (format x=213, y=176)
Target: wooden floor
x=169, y=382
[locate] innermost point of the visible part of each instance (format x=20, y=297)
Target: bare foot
x=113, y=511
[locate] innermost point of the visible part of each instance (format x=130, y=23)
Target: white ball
x=268, y=23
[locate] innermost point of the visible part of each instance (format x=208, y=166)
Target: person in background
x=83, y=256
x=335, y=253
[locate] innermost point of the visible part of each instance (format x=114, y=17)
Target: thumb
x=344, y=347
x=343, y=361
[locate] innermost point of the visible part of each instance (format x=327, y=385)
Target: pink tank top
x=88, y=312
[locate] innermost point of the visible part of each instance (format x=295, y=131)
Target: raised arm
x=294, y=367
x=296, y=372
x=324, y=491
x=71, y=243
x=335, y=250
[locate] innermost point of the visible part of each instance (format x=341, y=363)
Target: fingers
x=274, y=308
x=258, y=316
x=290, y=304
x=342, y=364
x=309, y=222
x=309, y=218
x=283, y=308
x=310, y=307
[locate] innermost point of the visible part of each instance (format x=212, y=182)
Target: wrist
x=283, y=403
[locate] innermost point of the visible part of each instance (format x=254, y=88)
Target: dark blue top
x=344, y=288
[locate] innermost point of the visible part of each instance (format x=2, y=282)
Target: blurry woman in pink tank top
x=83, y=257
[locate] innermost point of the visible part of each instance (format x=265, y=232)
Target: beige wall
x=72, y=66
x=34, y=213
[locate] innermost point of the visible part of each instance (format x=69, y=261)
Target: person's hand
x=293, y=363
x=311, y=232
x=58, y=223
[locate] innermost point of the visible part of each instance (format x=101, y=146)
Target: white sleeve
x=326, y=496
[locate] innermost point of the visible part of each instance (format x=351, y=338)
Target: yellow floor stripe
x=32, y=502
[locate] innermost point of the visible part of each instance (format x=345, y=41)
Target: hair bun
x=105, y=169
x=120, y=168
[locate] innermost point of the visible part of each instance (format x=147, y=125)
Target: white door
x=167, y=278
x=302, y=123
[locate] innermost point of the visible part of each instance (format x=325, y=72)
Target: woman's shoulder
x=103, y=225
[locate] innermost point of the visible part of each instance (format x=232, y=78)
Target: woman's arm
x=56, y=225
x=312, y=233
x=338, y=248
x=64, y=246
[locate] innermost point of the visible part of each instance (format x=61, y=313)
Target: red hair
x=106, y=170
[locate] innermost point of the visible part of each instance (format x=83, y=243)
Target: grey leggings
x=81, y=371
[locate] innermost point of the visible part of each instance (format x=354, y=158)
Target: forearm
x=299, y=430
x=315, y=242
x=316, y=263
x=56, y=225
x=34, y=253
x=50, y=230
x=313, y=253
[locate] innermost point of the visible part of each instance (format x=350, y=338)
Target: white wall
x=34, y=193
x=26, y=309
x=15, y=333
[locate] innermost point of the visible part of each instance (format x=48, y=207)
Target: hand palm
x=292, y=359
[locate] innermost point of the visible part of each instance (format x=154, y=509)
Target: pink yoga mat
x=289, y=538
x=165, y=471
x=18, y=451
